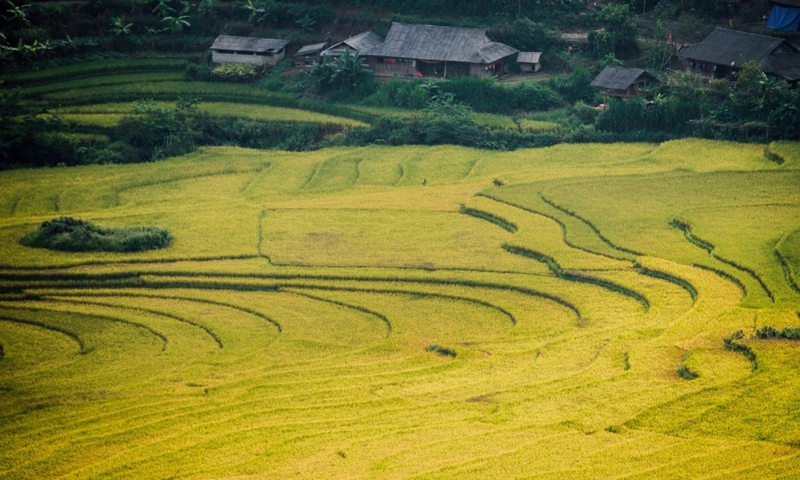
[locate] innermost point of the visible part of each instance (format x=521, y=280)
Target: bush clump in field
x=729, y=343
x=768, y=331
x=686, y=374
x=74, y=235
x=445, y=352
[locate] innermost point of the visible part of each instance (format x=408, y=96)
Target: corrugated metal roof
x=362, y=42
x=436, y=43
x=248, y=44
x=619, y=78
x=529, y=57
x=310, y=49
x=724, y=47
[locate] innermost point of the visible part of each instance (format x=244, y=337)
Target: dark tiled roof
x=435, y=43
x=723, y=47
x=784, y=66
x=311, y=49
x=620, y=78
x=248, y=44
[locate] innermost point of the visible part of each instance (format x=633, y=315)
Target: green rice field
x=409, y=312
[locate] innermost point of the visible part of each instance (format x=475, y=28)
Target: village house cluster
x=429, y=51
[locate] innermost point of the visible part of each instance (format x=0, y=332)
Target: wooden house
x=360, y=43
x=529, y=62
x=256, y=51
x=434, y=51
x=310, y=53
x=724, y=51
x=623, y=82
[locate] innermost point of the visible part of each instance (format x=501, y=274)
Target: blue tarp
x=784, y=18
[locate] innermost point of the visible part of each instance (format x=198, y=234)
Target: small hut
x=529, y=61
x=255, y=51
x=310, y=53
x=623, y=82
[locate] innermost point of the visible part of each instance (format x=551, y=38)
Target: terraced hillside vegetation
x=578, y=311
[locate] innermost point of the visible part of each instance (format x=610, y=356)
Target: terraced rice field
x=409, y=313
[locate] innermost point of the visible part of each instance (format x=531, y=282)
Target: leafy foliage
x=158, y=132
x=74, y=235
x=346, y=72
x=234, y=72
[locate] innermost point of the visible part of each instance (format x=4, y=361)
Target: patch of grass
x=95, y=67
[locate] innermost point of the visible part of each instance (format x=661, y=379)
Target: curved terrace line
x=90, y=282
x=710, y=247
x=561, y=224
x=556, y=269
x=725, y=275
x=476, y=301
x=311, y=176
x=269, y=320
x=590, y=225
x=208, y=331
x=383, y=318
x=402, y=171
x=668, y=277
x=107, y=318
x=118, y=190
x=276, y=277
x=131, y=261
x=71, y=335
x=788, y=272
x=489, y=217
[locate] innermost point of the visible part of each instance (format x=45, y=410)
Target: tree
x=159, y=132
x=347, y=72
x=621, y=31
x=444, y=121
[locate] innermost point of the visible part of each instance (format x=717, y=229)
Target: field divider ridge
x=207, y=330
x=164, y=340
x=589, y=224
x=72, y=335
x=710, y=248
x=383, y=318
x=569, y=276
x=560, y=223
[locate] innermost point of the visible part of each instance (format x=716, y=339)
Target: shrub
x=445, y=352
x=234, y=72
x=789, y=333
x=585, y=113
x=74, y=235
x=686, y=374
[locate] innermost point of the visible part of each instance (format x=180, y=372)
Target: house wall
x=409, y=68
x=530, y=67
x=479, y=71
x=258, y=60
x=705, y=71
x=400, y=67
